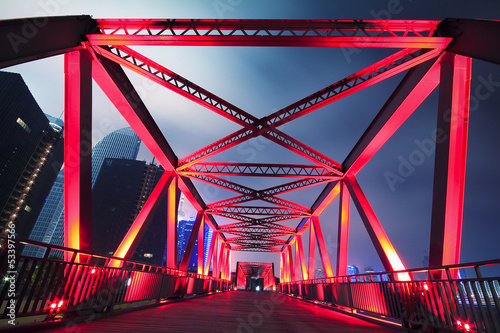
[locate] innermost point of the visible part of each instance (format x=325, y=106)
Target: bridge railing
x=461, y=297
x=38, y=286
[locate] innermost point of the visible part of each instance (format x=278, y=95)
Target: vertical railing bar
x=486, y=299
x=44, y=287
x=41, y=271
x=480, y=306
x=495, y=298
x=21, y=302
x=472, y=307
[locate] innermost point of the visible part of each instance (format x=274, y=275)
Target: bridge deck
x=242, y=312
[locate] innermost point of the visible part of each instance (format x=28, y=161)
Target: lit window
x=23, y=125
x=148, y=255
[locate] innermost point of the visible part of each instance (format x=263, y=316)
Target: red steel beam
x=201, y=243
x=343, y=231
x=312, y=250
x=172, y=206
x=212, y=249
x=450, y=162
x=192, y=239
x=386, y=251
x=77, y=151
x=134, y=235
x=305, y=33
x=258, y=170
x=325, y=258
x=157, y=73
x=255, y=210
x=411, y=92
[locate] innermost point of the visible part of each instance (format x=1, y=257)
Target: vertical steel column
x=343, y=231
x=215, y=265
x=282, y=267
x=386, y=252
x=227, y=266
x=77, y=151
x=201, y=244
x=450, y=163
x=323, y=252
x=312, y=250
x=172, y=206
x=303, y=263
x=211, y=248
x=290, y=262
x=192, y=240
x=221, y=259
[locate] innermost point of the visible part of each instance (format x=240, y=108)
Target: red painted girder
x=381, y=70
x=231, y=201
x=249, y=248
x=339, y=33
x=286, y=203
x=257, y=224
x=418, y=83
x=225, y=143
x=245, y=198
x=254, y=221
x=297, y=28
x=258, y=232
x=255, y=240
x=170, y=80
x=222, y=183
x=255, y=210
x=258, y=170
x=295, y=185
x=269, y=41
x=301, y=149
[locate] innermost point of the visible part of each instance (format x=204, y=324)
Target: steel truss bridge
x=432, y=53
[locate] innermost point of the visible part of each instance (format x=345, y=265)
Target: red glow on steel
x=343, y=231
x=386, y=251
x=172, y=224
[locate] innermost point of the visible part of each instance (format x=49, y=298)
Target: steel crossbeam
x=259, y=170
x=326, y=33
x=254, y=210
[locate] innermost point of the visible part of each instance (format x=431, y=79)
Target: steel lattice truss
x=428, y=51
x=417, y=42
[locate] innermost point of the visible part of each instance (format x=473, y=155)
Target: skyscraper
x=31, y=154
x=122, y=143
x=184, y=230
x=121, y=190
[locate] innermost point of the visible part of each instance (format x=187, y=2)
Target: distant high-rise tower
x=122, y=143
x=121, y=190
x=184, y=230
x=31, y=155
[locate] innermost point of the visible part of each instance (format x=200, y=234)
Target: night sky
x=263, y=80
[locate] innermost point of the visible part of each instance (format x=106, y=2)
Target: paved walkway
x=232, y=312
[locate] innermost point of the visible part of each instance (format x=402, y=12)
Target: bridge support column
x=343, y=231
x=78, y=151
x=211, y=248
x=192, y=240
x=172, y=224
x=299, y=248
x=449, y=168
x=291, y=268
x=201, y=243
